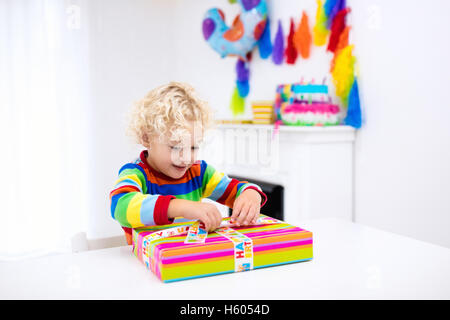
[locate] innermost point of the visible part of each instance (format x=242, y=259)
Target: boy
x=167, y=182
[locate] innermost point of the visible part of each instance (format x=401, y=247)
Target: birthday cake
x=305, y=105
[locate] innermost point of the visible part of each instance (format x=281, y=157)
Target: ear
x=145, y=140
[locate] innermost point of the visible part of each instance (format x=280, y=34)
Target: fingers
x=248, y=215
x=253, y=215
x=242, y=217
x=210, y=216
x=244, y=213
x=219, y=217
x=249, y=218
x=214, y=218
x=236, y=210
x=205, y=219
x=257, y=212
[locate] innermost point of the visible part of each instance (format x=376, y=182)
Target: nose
x=188, y=156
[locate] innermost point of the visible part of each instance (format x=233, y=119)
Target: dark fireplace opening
x=275, y=197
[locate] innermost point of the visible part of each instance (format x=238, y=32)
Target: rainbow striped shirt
x=141, y=195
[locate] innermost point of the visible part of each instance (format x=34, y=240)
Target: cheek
x=162, y=157
x=171, y=157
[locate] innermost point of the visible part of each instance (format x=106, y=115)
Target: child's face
x=174, y=158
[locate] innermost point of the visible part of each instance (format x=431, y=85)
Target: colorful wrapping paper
x=273, y=242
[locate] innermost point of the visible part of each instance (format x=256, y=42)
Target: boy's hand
x=246, y=207
x=205, y=212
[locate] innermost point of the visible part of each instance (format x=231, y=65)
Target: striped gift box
x=263, y=112
x=171, y=259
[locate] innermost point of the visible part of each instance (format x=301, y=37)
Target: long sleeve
x=131, y=206
x=219, y=187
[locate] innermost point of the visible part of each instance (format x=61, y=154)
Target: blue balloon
x=244, y=34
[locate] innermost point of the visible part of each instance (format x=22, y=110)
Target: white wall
x=402, y=151
x=402, y=173
x=130, y=45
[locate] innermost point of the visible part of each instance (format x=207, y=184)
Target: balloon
x=243, y=35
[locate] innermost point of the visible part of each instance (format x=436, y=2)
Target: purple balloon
x=208, y=28
x=250, y=4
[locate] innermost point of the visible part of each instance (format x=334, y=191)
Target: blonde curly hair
x=165, y=111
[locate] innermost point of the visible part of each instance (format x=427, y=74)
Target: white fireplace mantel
x=314, y=164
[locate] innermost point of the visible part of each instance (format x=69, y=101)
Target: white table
x=351, y=261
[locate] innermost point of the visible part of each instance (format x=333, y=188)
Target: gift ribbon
x=168, y=233
x=196, y=233
x=243, y=248
x=243, y=245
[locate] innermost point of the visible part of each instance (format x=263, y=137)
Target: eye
x=178, y=148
